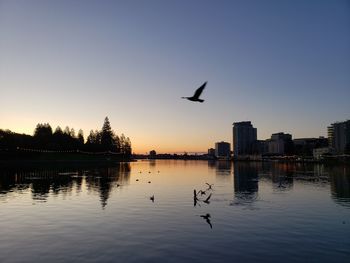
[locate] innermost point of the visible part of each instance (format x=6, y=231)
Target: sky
x=284, y=65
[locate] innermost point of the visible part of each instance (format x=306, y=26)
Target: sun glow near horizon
x=73, y=64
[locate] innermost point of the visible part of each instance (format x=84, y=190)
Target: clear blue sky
x=284, y=65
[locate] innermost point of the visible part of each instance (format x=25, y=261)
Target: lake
x=256, y=212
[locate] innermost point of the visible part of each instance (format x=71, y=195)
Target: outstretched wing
x=199, y=91
x=206, y=200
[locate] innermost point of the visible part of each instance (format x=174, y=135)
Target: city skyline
x=283, y=66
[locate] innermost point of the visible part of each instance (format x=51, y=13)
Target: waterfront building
x=339, y=136
x=318, y=153
x=305, y=146
x=244, y=136
x=222, y=150
x=211, y=152
x=280, y=144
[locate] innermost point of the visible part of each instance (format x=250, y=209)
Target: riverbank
x=22, y=158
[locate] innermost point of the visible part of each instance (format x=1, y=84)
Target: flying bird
x=196, y=95
x=207, y=200
x=209, y=186
x=152, y=198
x=195, y=198
x=201, y=192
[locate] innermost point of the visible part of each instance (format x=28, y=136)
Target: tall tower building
x=244, y=135
x=339, y=136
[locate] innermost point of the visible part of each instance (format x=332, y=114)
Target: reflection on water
x=245, y=183
x=340, y=184
x=63, y=181
x=246, y=178
x=266, y=211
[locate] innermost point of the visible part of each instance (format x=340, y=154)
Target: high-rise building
x=222, y=150
x=339, y=136
x=244, y=136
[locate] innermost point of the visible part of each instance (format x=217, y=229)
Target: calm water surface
x=258, y=213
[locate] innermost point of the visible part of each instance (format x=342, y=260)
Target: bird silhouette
x=207, y=200
x=152, y=198
x=196, y=95
x=209, y=186
x=201, y=192
x=195, y=198
x=207, y=218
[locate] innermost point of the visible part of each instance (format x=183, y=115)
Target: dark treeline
x=45, y=138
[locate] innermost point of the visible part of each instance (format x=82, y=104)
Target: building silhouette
x=306, y=146
x=280, y=143
x=244, y=136
x=211, y=152
x=339, y=136
x=222, y=150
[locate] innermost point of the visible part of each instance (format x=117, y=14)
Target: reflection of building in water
x=281, y=175
x=223, y=168
x=340, y=184
x=246, y=182
x=211, y=164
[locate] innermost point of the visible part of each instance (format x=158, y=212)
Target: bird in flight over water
x=196, y=95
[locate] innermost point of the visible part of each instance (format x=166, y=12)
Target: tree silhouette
x=81, y=137
x=101, y=141
x=107, y=135
x=43, y=135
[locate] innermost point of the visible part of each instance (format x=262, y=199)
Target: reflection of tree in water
x=104, y=180
x=211, y=164
x=11, y=181
x=340, y=184
x=61, y=181
x=39, y=181
x=152, y=163
x=245, y=182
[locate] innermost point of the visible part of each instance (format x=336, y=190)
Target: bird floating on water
x=197, y=94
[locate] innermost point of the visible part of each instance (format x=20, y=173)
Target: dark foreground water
x=258, y=213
